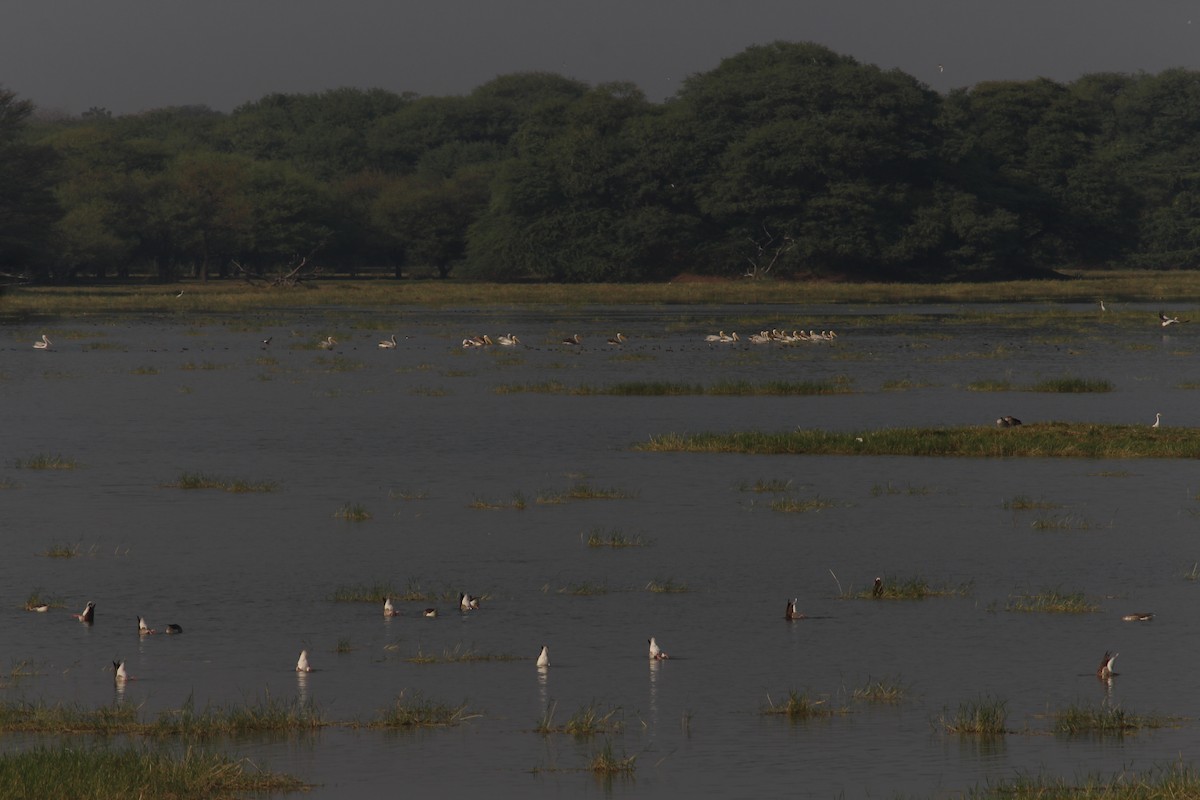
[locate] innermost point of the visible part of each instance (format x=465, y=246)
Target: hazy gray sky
x=131, y=55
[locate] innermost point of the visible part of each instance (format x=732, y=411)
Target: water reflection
x=302, y=687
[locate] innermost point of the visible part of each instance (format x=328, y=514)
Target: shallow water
x=137, y=402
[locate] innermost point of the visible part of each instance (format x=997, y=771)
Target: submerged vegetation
x=914, y=588
x=1176, y=781
x=200, y=480
x=1052, y=601
x=614, y=539
x=589, y=720
x=1074, y=720
x=985, y=716
x=1051, y=439
x=43, y=461
x=417, y=712
x=799, y=705
x=668, y=389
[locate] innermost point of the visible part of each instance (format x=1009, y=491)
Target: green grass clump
x=768, y=486
x=1052, y=601
x=983, y=717
x=44, y=461
x=585, y=589
x=839, y=385
x=614, y=539
x=884, y=690
x=1040, y=440
x=200, y=480
x=582, y=491
x=606, y=763
x=1024, y=503
x=589, y=720
x=990, y=386
x=1072, y=386
x=460, y=655
x=1058, y=522
x=915, y=588
x=62, y=551
x=101, y=773
x=36, y=598
x=668, y=586
x=792, y=505
x=417, y=712
x=266, y=715
x=1074, y=720
x=1176, y=781
x=518, y=502
x=799, y=705
x=352, y=512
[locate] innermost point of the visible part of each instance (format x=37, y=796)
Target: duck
x=389, y=610
x=791, y=612
x=44, y=344
x=88, y=615
x=508, y=340
x=573, y=340
x=656, y=652
x=877, y=589
x=430, y=612
x=543, y=659
x=1008, y=422
x=174, y=629
x=1143, y=616
x=1105, y=670
x=388, y=344
x=119, y=673
x=327, y=344
x=467, y=603
x=40, y=608
x=617, y=340
x=302, y=663
x=144, y=629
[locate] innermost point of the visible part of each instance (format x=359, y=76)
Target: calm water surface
x=420, y=434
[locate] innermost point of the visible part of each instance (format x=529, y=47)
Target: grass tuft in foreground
x=605, y=762
x=1051, y=601
x=1075, y=720
x=352, y=512
x=100, y=773
x=888, y=691
x=582, y=491
x=983, y=717
x=43, y=461
x=668, y=586
x=1176, y=781
x=589, y=720
x=417, y=712
x=799, y=705
x=1040, y=440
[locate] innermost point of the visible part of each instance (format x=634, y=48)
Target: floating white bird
x=656, y=652
x=791, y=612
x=144, y=629
x=389, y=610
x=508, y=340
x=119, y=673
x=302, y=663
x=1143, y=616
x=467, y=603
x=88, y=614
x=1105, y=670
x=543, y=659
x=44, y=344
x=1157, y=420
x=388, y=344
x=431, y=612
x=715, y=337
x=1165, y=320
x=40, y=608
x=573, y=340
x=1102, y=308
x=327, y=344
x=619, y=339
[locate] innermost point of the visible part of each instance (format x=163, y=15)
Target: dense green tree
x=28, y=210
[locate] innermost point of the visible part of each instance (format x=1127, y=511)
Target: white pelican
x=1157, y=420
x=44, y=344
x=1144, y=616
x=144, y=629
x=88, y=614
x=733, y=337
x=715, y=337
x=543, y=659
x=302, y=663
x=762, y=337
x=1105, y=670
x=656, y=652
x=573, y=340
x=1165, y=320
x=791, y=612
x=389, y=610
x=327, y=344
x=388, y=344
x=619, y=339
x=119, y=673
x=508, y=340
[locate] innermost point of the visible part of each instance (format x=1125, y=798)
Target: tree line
x=787, y=159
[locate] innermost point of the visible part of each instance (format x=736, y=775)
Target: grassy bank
x=1044, y=440
x=229, y=296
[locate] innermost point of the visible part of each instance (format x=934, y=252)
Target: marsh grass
x=379, y=591
x=201, y=480
x=840, y=385
x=990, y=386
x=409, y=494
x=191, y=366
x=667, y=586
x=44, y=461
x=1072, y=386
x=768, y=486
x=36, y=598
x=518, y=503
x=985, y=716
x=1051, y=601
x=460, y=655
x=905, y=385
x=6, y=483
x=879, y=490
x=582, y=491
x=1192, y=574
x=144, y=371
x=416, y=711
x=1038, y=440
x=585, y=589
x=914, y=588
x=884, y=691
x=588, y=720
x=1068, y=522
x=102, y=773
x=605, y=762
x=1176, y=781
x=793, y=505
x=352, y=512
x=344, y=645
x=1025, y=503
x=1075, y=720
x=799, y=705
x=599, y=538
x=265, y=715
x=64, y=551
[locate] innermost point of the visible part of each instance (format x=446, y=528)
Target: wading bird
x=388, y=344
x=877, y=589
x=1157, y=420
x=543, y=659
x=302, y=663
x=88, y=614
x=656, y=652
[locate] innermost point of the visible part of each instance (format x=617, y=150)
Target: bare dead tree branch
x=767, y=250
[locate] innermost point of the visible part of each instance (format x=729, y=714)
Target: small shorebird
x=388, y=344
x=327, y=344
x=431, y=612
x=1008, y=422
x=1105, y=670
x=302, y=663
x=1165, y=320
x=877, y=589
x=656, y=652
x=119, y=673
x=792, y=612
x=144, y=629
x=1144, y=616
x=543, y=659
x=389, y=610
x=44, y=344
x=573, y=340
x=88, y=614
x=1157, y=420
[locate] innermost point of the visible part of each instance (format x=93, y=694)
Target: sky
x=135, y=55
